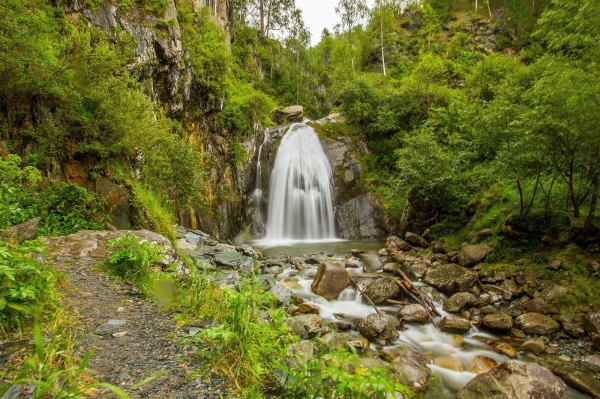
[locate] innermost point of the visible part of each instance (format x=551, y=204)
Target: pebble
x=119, y=334
x=193, y=331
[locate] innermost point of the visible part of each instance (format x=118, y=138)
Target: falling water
x=258, y=191
x=301, y=198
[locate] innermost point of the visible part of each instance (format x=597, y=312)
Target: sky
x=319, y=14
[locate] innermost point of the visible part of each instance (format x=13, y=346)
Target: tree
x=351, y=12
x=270, y=15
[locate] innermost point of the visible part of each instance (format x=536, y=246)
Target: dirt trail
x=139, y=340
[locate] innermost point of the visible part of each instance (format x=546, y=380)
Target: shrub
x=133, y=259
x=27, y=289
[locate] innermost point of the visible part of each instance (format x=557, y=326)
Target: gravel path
x=138, y=341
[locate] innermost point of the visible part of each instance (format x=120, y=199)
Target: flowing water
x=301, y=193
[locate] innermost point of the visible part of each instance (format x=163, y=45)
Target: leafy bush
x=248, y=341
x=27, y=289
x=340, y=374
x=133, y=259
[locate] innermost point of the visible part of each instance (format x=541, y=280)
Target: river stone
x=228, y=259
x=390, y=267
x=591, y=323
x=537, y=305
x=410, y=368
x=458, y=302
x=300, y=353
x=575, y=330
x=331, y=279
x=381, y=290
x=451, y=277
x=438, y=247
x=396, y=243
x=415, y=240
x=449, y=362
x=378, y=327
x=303, y=324
x=282, y=293
x=554, y=292
x=454, y=324
x=506, y=349
x=579, y=380
x=308, y=307
x=536, y=323
x=498, y=321
x=482, y=364
x=473, y=254
x=413, y=313
x=371, y=262
x=512, y=380
x=517, y=307
x=457, y=341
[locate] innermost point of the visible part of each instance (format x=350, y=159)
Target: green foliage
x=27, y=289
x=157, y=7
x=133, y=259
x=245, y=108
x=340, y=374
x=248, y=340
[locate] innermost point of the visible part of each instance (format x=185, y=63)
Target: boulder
x=449, y=362
x=454, y=324
x=450, y=277
x=331, y=279
x=482, y=364
x=413, y=313
x=396, y=243
x=22, y=232
x=378, y=327
x=498, y=321
x=579, y=380
x=537, y=305
x=410, y=368
x=380, y=290
x=371, y=262
x=308, y=307
x=556, y=264
x=512, y=380
x=591, y=323
x=575, y=330
x=458, y=302
x=300, y=353
x=553, y=292
x=536, y=323
x=304, y=324
x=293, y=113
x=534, y=345
x=415, y=240
x=473, y=254
x=438, y=247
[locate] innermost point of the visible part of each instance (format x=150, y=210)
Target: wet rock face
x=378, y=327
x=359, y=214
x=512, y=380
x=331, y=279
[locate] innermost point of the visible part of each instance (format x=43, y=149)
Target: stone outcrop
x=512, y=380
x=22, y=232
x=359, y=214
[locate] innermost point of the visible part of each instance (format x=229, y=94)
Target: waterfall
x=258, y=191
x=301, y=194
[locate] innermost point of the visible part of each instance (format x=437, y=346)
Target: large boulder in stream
x=473, y=254
x=513, y=380
x=381, y=290
x=293, y=113
x=331, y=279
x=451, y=277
